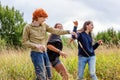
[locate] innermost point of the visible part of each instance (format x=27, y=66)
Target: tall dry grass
x=17, y=65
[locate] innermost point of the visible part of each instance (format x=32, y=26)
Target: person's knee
x=65, y=77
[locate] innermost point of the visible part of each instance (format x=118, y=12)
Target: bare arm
x=52, y=48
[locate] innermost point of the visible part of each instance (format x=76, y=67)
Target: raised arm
x=75, y=29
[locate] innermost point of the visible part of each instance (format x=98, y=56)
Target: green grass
x=17, y=65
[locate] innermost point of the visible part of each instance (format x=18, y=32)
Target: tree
x=109, y=37
x=11, y=25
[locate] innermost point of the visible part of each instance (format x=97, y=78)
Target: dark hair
x=85, y=24
x=84, y=28
x=57, y=24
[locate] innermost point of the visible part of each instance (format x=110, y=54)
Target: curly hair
x=39, y=13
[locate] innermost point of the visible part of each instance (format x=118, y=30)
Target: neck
x=87, y=31
x=35, y=23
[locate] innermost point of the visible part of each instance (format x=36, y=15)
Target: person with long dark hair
x=86, y=52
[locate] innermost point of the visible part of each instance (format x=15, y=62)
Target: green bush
x=11, y=25
x=2, y=44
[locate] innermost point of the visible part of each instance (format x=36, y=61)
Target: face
x=90, y=27
x=41, y=20
x=59, y=26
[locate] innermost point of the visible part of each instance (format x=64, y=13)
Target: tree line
x=110, y=37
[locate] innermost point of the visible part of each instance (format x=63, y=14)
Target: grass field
x=17, y=65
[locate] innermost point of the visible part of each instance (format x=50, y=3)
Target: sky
x=104, y=13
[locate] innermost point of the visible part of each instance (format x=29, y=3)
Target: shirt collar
x=35, y=25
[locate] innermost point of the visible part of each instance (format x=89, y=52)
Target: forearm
x=74, y=30
x=95, y=46
x=59, y=32
x=52, y=48
x=28, y=44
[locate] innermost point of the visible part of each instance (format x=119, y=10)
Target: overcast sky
x=104, y=13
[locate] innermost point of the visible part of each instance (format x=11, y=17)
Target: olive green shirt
x=37, y=35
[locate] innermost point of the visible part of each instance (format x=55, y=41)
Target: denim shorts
x=55, y=62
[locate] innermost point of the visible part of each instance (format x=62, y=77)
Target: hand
x=63, y=54
x=75, y=23
x=73, y=33
x=40, y=47
x=100, y=42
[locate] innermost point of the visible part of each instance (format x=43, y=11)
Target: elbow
x=48, y=46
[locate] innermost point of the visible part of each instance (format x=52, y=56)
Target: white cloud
x=104, y=13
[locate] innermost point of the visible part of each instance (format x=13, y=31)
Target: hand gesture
x=73, y=33
x=40, y=47
x=64, y=55
x=100, y=42
x=75, y=23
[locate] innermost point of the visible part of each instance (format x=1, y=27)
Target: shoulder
x=44, y=24
x=27, y=26
x=80, y=33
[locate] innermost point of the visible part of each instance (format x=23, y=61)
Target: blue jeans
x=41, y=64
x=82, y=61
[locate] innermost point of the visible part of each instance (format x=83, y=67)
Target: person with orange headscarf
x=34, y=37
